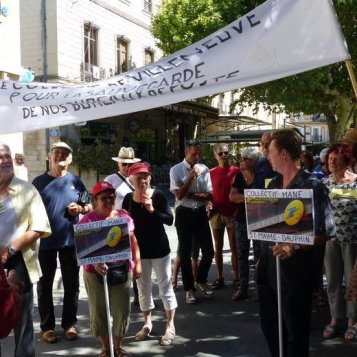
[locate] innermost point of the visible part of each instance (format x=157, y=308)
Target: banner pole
x=280, y=315
x=109, y=316
x=351, y=73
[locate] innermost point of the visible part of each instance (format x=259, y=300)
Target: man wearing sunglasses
x=120, y=180
x=222, y=212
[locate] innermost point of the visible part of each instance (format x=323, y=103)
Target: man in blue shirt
x=60, y=191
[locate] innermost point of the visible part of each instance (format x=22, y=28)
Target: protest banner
x=280, y=215
x=275, y=40
x=102, y=241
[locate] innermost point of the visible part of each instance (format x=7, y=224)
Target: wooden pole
x=350, y=71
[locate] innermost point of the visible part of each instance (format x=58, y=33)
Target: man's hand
x=74, y=209
x=283, y=250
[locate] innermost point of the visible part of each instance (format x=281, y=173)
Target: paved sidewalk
x=213, y=327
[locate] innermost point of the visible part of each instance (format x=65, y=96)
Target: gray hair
x=219, y=145
x=323, y=154
x=251, y=153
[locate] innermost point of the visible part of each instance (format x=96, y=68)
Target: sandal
x=351, y=333
x=143, y=333
x=240, y=294
x=104, y=353
x=49, y=336
x=70, y=334
x=169, y=336
x=329, y=332
x=120, y=352
x=218, y=283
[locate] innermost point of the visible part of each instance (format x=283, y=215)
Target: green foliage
x=96, y=157
x=325, y=90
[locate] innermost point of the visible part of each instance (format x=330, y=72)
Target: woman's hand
x=137, y=271
x=101, y=269
x=147, y=202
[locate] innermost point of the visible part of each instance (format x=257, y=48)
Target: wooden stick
x=349, y=66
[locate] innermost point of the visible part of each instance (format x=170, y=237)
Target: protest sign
x=102, y=241
x=280, y=215
x=277, y=39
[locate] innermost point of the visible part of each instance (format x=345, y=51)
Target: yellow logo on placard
x=293, y=212
x=113, y=237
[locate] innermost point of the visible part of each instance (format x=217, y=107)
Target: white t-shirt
x=122, y=186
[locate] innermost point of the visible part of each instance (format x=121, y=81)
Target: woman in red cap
x=104, y=198
x=150, y=211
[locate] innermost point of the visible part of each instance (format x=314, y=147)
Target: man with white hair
x=23, y=220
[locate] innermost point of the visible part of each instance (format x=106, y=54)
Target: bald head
x=265, y=142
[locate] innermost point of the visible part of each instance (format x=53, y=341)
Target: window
x=122, y=54
x=90, y=44
x=149, y=56
x=148, y=5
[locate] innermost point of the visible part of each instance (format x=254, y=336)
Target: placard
x=102, y=241
x=280, y=215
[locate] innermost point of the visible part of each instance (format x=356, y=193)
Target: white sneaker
x=190, y=297
x=204, y=289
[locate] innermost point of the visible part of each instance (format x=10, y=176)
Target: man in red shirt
x=222, y=212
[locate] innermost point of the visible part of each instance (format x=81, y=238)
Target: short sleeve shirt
x=122, y=187
x=344, y=206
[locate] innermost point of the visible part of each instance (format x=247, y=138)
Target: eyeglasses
x=107, y=197
x=125, y=164
x=222, y=153
x=246, y=158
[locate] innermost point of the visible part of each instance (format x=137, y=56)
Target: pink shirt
x=222, y=179
x=92, y=217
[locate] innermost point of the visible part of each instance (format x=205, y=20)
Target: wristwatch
x=11, y=250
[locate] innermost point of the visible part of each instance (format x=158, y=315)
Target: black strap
x=124, y=180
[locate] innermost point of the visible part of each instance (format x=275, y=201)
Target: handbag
x=10, y=306
x=116, y=274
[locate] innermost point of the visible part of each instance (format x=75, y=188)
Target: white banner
x=277, y=39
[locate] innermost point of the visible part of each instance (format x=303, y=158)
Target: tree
x=326, y=90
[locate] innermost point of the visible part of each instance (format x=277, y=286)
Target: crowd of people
x=38, y=221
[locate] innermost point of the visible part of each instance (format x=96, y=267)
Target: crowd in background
x=209, y=203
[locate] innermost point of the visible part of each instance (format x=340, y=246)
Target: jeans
x=192, y=224
x=70, y=277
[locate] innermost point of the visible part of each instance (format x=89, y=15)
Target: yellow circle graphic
x=293, y=212
x=113, y=237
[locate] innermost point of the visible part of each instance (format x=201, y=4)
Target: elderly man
x=191, y=184
x=60, y=191
x=23, y=220
x=299, y=262
x=120, y=180
x=223, y=212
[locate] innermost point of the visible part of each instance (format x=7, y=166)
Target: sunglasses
x=222, y=153
x=245, y=158
x=125, y=164
x=107, y=197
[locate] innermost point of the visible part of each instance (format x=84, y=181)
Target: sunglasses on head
x=223, y=153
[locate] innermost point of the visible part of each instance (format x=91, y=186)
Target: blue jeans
x=70, y=277
x=24, y=332
x=192, y=226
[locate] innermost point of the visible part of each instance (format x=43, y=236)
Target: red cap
x=102, y=186
x=139, y=168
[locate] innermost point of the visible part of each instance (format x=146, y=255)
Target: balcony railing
x=91, y=73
